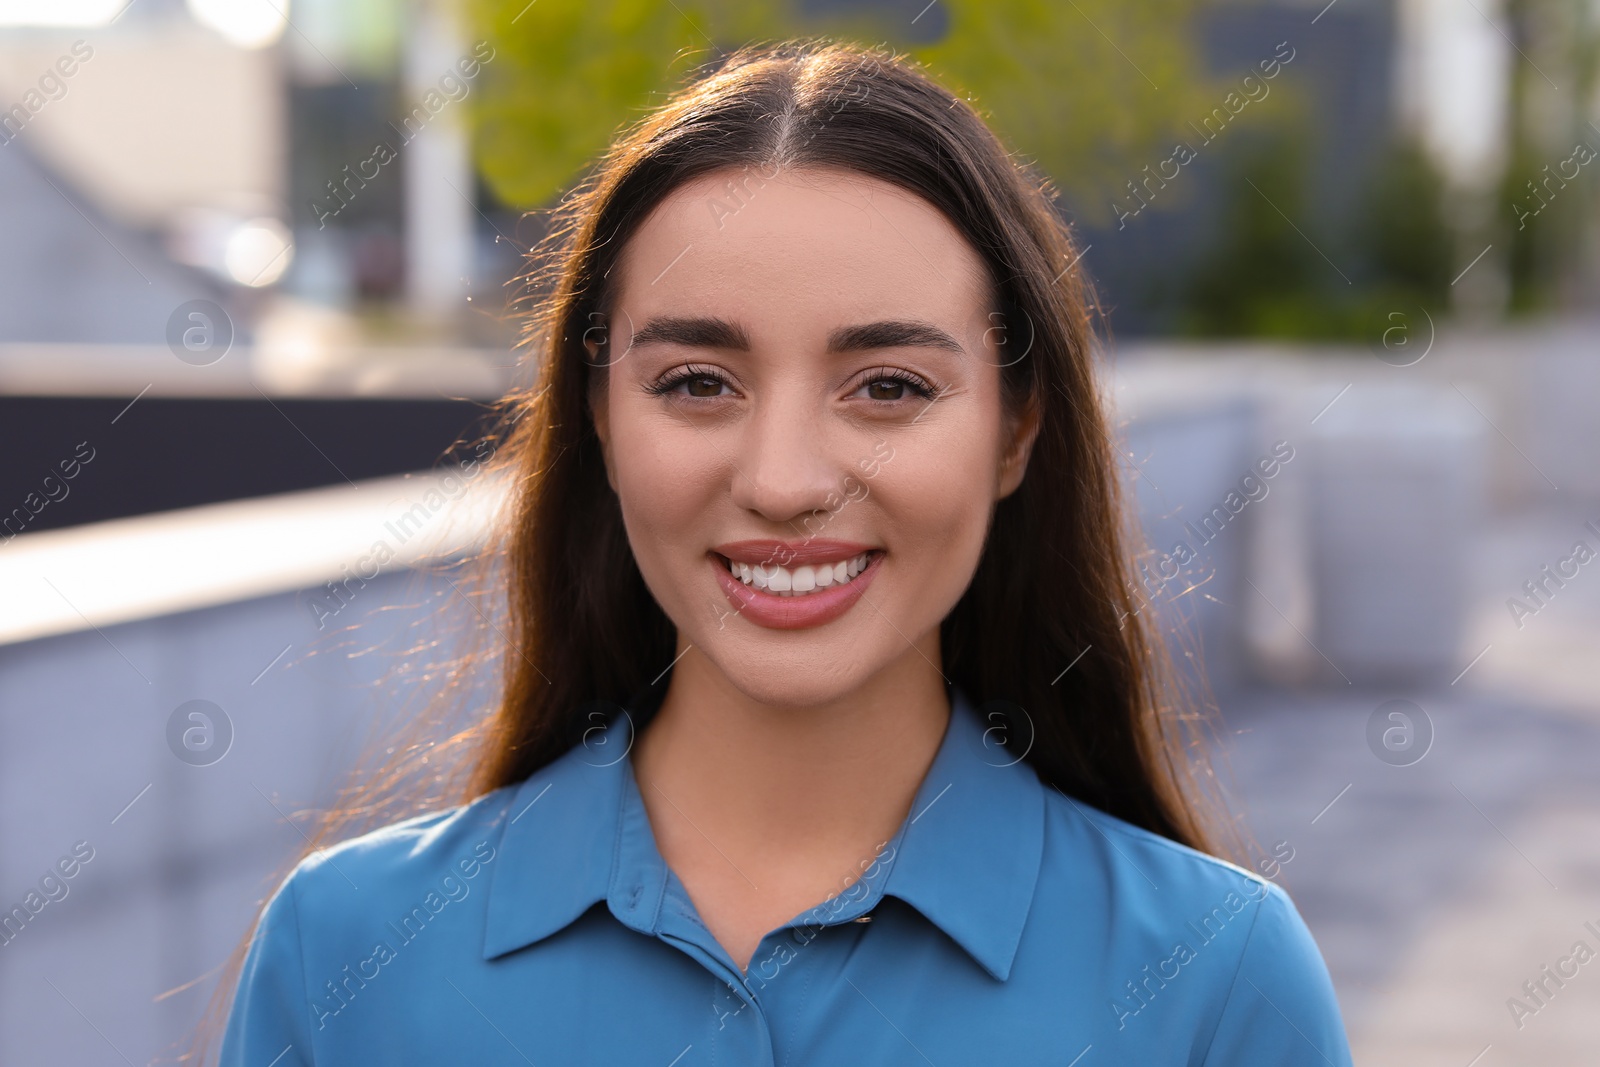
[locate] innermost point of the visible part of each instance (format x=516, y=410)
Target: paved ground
x=1437, y=889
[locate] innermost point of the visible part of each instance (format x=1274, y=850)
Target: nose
x=784, y=470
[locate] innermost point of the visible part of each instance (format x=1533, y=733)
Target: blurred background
x=256, y=258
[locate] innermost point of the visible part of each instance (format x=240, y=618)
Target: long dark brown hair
x=568, y=620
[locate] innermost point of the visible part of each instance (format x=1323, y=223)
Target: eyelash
x=676, y=377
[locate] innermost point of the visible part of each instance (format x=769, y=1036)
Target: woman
x=815, y=487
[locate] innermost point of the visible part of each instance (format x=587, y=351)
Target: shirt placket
x=738, y=1030
x=646, y=896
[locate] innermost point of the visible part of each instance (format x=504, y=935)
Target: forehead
x=797, y=245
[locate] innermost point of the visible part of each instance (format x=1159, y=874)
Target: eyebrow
x=707, y=332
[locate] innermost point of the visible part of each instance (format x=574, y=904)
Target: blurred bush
x=1265, y=276
x=1092, y=92
x=1055, y=79
x=1545, y=201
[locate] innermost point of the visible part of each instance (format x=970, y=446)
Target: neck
x=794, y=785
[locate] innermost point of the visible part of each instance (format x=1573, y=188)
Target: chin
x=791, y=669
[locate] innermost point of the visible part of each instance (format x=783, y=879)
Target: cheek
x=665, y=475
x=937, y=495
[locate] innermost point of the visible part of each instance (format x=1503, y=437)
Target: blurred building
x=175, y=149
x=202, y=264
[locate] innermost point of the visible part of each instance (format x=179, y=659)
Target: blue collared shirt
x=1004, y=923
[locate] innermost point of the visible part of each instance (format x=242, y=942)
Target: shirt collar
x=967, y=857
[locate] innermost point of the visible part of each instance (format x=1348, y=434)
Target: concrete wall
x=182, y=852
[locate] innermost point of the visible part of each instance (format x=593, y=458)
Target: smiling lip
x=792, y=612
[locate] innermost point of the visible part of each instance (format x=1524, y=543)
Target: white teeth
x=798, y=581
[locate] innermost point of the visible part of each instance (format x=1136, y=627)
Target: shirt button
x=863, y=918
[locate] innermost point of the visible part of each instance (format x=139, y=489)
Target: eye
x=702, y=383
x=889, y=385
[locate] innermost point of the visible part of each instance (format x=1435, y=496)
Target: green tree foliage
x=1259, y=276
x=1267, y=276
x=1089, y=90
x=1541, y=216
x=1545, y=220
x=1407, y=239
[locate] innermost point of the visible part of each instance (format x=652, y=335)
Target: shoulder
x=1131, y=855
x=1170, y=910
x=398, y=863
x=347, y=909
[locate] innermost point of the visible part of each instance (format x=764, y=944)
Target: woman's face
x=802, y=419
